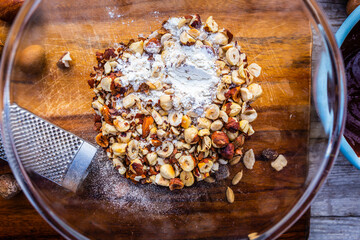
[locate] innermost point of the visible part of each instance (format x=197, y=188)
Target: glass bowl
x=286, y=38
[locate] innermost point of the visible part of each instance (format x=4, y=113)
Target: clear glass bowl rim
x=290, y=218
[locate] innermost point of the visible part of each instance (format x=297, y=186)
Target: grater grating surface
x=49, y=150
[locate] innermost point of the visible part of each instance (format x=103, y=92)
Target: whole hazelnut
x=32, y=59
x=219, y=139
x=228, y=151
x=232, y=125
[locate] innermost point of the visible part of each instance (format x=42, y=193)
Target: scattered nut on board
x=64, y=61
x=230, y=195
x=237, y=178
x=8, y=186
x=9, y=9
x=279, y=163
x=32, y=59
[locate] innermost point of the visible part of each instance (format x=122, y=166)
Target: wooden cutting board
x=274, y=34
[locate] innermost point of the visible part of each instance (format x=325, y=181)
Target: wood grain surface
x=276, y=34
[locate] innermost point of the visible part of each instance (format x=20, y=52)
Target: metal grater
x=49, y=150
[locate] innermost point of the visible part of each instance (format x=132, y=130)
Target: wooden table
x=333, y=213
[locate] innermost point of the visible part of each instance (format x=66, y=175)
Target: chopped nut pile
x=173, y=106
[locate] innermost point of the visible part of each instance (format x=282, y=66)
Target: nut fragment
x=186, y=39
x=187, y=178
x=191, y=135
x=152, y=158
x=176, y=183
x=249, y=114
x=235, y=160
x=166, y=102
x=119, y=149
x=232, y=125
x=137, y=47
x=219, y=139
x=129, y=101
x=167, y=149
x=204, y=123
x=255, y=89
x=211, y=25
x=254, y=69
x=187, y=163
x=244, y=126
x=133, y=149
x=237, y=178
x=101, y=140
x=230, y=195
x=167, y=171
x=216, y=125
x=212, y=112
x=8, y=186
x=160, y=180
x=64, y=61
x=175, y=118
x=279, y=163
x=233, y=56
x=194, y=33
x=249, y=159
x=228, y=151
x=205, y=165
x=221, y=39
x=121, y=125
x=246, y=95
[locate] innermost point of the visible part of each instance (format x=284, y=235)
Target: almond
x=148, y=120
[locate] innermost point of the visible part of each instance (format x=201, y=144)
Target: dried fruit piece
x=269, y=154
x=230, y=195
x=249, y=159
x=237, y=178
x=279, y=163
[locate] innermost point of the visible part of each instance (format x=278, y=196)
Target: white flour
x=194, y=79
